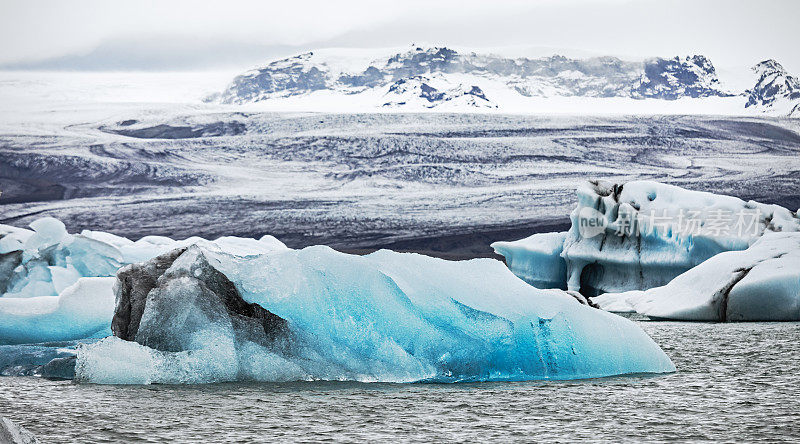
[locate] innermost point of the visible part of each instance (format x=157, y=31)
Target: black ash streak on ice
x=444, y=184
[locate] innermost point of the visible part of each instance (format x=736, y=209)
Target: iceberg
x=195, y=311
x=57, y=286
x=82, y=310
x=537, y=259
x=11, y=433
x=761, y=283
x=640, y=235
x=200, y=314
x=52, y=360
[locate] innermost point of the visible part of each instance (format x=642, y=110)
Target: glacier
x=639, y=235
x=761, y=283
x=198, y=315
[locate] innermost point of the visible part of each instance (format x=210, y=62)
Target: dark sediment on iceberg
x=161, y=302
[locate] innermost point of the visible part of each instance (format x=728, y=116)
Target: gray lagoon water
x=735, y=382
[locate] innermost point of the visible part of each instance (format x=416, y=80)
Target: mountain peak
x=670, y=79
x=769, y=66
x=775, y=89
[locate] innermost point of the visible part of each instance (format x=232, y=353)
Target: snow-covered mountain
x=672, y=79
x=442, y=78
x=775, y=89
x=434, y=91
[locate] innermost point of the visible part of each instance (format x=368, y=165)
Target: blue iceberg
x=202, y=314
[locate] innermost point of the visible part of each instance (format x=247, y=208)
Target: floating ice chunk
x=617, y=302
x=146, y=248
x=114, y=361
x=94, y=258
x=63, y=277
x=31, y=280
x=50, y=260
x=49, y=230
x=245, y=246
x=82, y=310
x=203, y=315
x=642, y=234
x=13, y=238
x=108, y=238
x=35, y=359
x=41, y=265
x=761, y=283
x=11, y=433
x=537, y=259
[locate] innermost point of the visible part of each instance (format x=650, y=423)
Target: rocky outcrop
x=282, y=78
x=11, y=433
x=774, y=90
x=163, y=302
x=671, y=79
x=420, y=91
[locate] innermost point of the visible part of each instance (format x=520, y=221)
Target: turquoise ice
x=389, y=317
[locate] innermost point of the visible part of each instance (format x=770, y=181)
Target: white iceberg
x=50, y=286
x=641, y=235
x=201, y=314
x=761, y=283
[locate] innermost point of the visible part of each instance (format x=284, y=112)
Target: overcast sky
x=180, y=34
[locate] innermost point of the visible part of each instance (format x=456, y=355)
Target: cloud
x=730, y=32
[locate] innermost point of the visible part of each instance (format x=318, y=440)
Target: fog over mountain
x=158, y=54
x=180, y=35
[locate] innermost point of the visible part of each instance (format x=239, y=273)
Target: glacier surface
x=640, y=235
x=324, y=315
